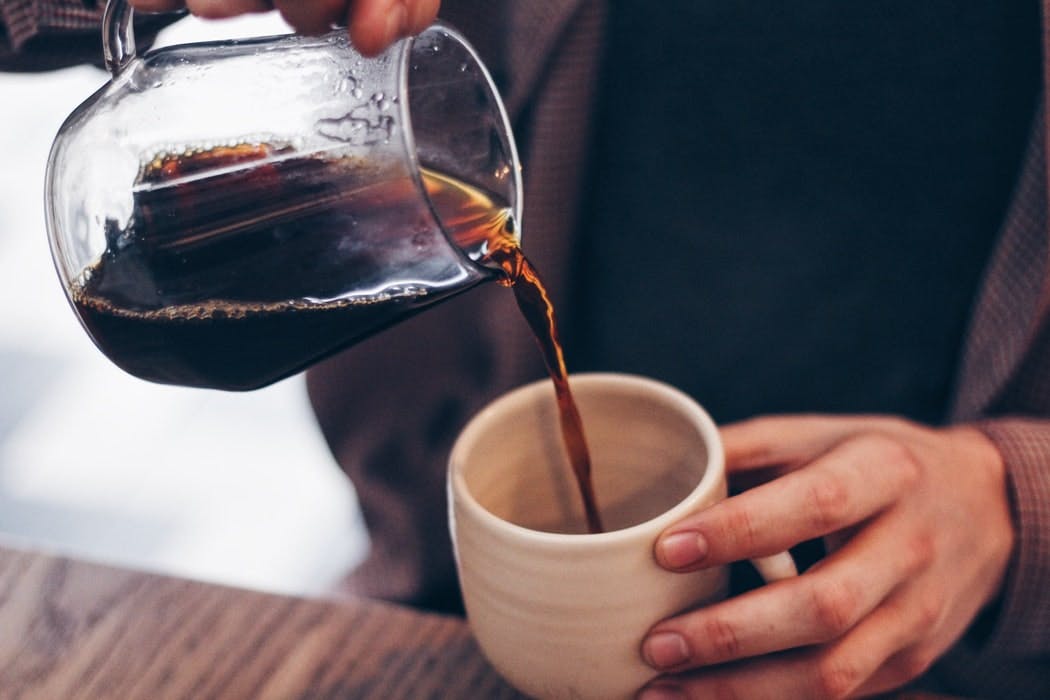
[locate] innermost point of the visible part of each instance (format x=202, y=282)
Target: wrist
x=977, y=449
x=980, y=456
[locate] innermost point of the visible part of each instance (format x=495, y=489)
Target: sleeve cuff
x=1022, y=626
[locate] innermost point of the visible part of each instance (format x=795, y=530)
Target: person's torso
x=791, y=205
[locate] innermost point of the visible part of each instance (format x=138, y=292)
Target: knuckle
x=835, y=607
x=739, y=527
x=930, y=609
x=895, y=453
x=906, y=466
x=919, y=550
x=721, y=639
x=837, y=678
x=829, y=501
x=895, y=459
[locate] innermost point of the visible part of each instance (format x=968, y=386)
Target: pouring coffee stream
x=538, y=310
x=225, y=214
x=484, y=225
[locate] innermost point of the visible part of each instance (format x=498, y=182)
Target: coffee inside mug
x=646, y=458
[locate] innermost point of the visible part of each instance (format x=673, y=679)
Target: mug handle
x=118, y=36
x=776, y=567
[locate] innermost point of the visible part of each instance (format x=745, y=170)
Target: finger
x=935, y=626
x=158, y=5
x=779, y=440
x=375, y=24
x=818, y=607
x=850, y=483
x=900, y=669
x=311, y=16
x=768, y=678
x=421, y=14
x=219, y=9
x=841, y=669
x=882, y=653
x=794, y=439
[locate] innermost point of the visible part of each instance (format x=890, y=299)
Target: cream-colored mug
x=560, y=613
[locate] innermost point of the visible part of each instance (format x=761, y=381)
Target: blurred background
x=230, y=488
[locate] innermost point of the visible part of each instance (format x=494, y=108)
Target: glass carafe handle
x=118, y=35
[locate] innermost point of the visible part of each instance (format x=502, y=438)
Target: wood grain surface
x=81, y=631
x=70, y=629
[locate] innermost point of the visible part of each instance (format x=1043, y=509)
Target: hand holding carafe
x=373, y=24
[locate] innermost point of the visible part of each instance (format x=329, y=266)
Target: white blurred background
x=232, y=488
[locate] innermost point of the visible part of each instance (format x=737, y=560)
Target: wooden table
x=73, y=630
x=70, y=629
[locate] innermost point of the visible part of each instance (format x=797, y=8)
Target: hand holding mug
x=561, y=613
x=374, y=24
x=918, y=531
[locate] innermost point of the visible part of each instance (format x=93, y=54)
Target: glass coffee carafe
x=225, y=214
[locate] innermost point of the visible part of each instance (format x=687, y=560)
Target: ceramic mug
x=560, y=613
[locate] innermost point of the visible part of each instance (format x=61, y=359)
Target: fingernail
x=683, y=549
x=665, y=650
x=663, y=691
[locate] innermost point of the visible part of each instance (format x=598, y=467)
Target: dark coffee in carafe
x=243, y=227
x=274, y=245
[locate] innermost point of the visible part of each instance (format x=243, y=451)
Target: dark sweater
x=793, y=202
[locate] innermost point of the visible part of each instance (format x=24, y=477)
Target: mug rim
x=714, y=471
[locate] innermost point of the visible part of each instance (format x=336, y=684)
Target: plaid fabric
x=547, y=67
x=48, y=34
x=476, y=347
x=24, y=19
x=1006, y=385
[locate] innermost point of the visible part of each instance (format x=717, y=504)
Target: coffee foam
x=223, y=309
